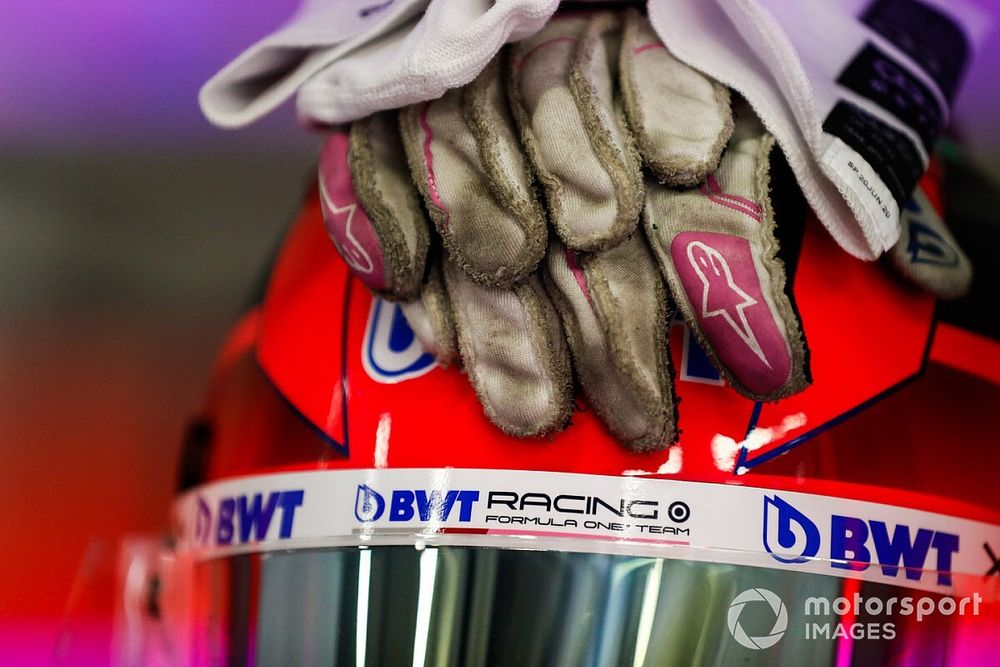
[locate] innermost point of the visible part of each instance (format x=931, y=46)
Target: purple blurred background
x=131, y=231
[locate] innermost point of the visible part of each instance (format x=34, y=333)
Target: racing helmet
x=343, y=499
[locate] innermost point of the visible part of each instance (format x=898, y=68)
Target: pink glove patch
x=346, y=221
x=721, y=282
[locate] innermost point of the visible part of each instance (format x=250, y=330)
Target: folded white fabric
x=399, y=54
x=273, y=69
x=855, y=91
x=448, y=47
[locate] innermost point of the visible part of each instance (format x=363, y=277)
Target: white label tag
x=848, y=169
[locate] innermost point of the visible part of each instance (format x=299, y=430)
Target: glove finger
x=562, y=89
x=927, y=253
x=613, y=306
x=431, y=320
x=682, y=120
x=384, y=241
x=717, y=248
x=514, y=352
x=468, y=164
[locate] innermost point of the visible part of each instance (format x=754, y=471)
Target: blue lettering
x=432, y=504
x=224, y=531
x=289, y=501
x=848, y=535
x=891, y=551
x=406, y=505
x=401, y=508
x=466, y=499
x=256, y=518
x=946, y=545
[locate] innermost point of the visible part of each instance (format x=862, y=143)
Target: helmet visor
x=398, y=605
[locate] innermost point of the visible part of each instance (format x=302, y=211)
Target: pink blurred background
x=131, y=232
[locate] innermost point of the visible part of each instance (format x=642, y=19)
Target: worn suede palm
x=467, y=162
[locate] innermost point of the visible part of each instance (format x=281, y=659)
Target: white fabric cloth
x=273, y=69
x=448, y=47
x=349, y=58
x=790, y=60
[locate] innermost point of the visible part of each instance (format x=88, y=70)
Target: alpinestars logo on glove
x=721, y=295
x=352, y=251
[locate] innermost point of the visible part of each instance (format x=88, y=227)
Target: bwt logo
x=407, y=505
x=855, y=543
x=391, y=350
x=247, y=518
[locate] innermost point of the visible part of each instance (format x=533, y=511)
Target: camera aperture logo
x=824, y=618
x=752, y=597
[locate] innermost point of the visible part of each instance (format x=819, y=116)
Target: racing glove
x=511, y=342
x=569, y=120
